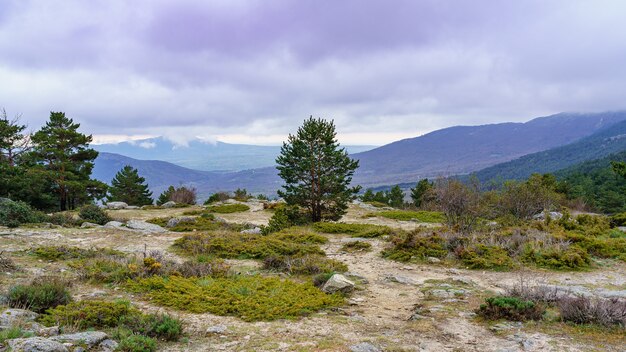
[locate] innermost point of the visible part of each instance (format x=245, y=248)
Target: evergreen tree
x=368, y=196
x=165, y=196
x=129, y=187
x=12, y=144
x=420, y=191
x=316, y=172
x=62, y=155
x=395, y=197
x=381, y=197
x=619, y=167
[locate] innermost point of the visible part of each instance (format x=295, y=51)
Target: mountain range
x=564, y=138
x=201, y=154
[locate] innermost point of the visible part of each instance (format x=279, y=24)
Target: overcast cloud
x=251, y=71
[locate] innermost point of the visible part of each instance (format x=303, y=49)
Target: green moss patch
x=228, y=208
x=251, y=298
x=357, y=246
x=356, y=230
x=407, y=215
x=55, y=253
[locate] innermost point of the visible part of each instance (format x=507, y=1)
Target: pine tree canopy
x=316, y=171
x=128, y=187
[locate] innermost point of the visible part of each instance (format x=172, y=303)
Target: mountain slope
x=202, y=155
x=464, y=149
x=598, y=145
x=160, y=175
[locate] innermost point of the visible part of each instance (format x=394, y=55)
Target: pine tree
x=165, y=196
x=619, y=167
x=12, y=144
x=316, y=172
x=368, y=196
x=395, y=197
x=129, y=187
x=62, y=154
x=419, y=192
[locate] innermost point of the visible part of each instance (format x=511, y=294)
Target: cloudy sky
x=251, y=71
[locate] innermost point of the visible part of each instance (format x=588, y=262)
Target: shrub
x=416, y=245
x=13, y=214
x=97, y=314
x=377, y=204
x=307, y=264
x=63, y=219
x=510, y=308
x=137, y=343
x=41, y=294
x=184, y=195
x=356, y=230
x=217, y=197
x=7, y=264
x=242, y=246
x=357, y=246
x=291, y=235
x=213, y=268
x=554, y=257
x=588, y=310
x=54, y=253
x=285, y=217
x=228, y=208
x=106, y=269
x=251, y=298
x=482, y=256
x=93, y=213
x=618, y=220
x=407, y=215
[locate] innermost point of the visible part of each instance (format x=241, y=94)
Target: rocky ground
x=396, y=307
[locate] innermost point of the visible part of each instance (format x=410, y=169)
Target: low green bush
x=305, y=265
x=377, y=204
x=284, y=217
x=137, y=343
x=40, y=295
x=510, y=308
x=357, y=246
x=14, y=214
x=93, y=213
x=356, y=230
x=572, y=257
x=242, y=246
x=251, y=298
x=416, y=246
x=55, y=253
x=14, y=332
x=295, y=235
x=618, y=219
x=98, y=314
x=407, y=215
x=482, y=256
x=228, y=208
x=63, y=219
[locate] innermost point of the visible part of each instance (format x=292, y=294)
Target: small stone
x=253, y=231
x=434, y=260
x=108, y=345
x=51, y=331
x=180, y=219
x=338, y=283
x=114, y=225
x=364, y=347
x=400, y=279
x=216, y=329
x=169, y=204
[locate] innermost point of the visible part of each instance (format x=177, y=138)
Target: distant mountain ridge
x=202, y=155
x=596, y=146
x=466, y=149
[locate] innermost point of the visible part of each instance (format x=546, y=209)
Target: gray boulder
x=13, y=315
x=365, y=347
x=169, y=204
x=554, y=215
x=338, y=283
x=89, y=225
x=144, y=226
x=116, y=205
x=35, y=344
x=114, y=225
x=400, y=279
x=108, y=345
x=254, y=231
x=180, y=220
x=216, y=329
x=89, y=338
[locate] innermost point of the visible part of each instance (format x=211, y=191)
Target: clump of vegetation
x=588, y=310
x=7, y=264
x=482, y=256
x=14, y=332
x=217, y=197
x=510, y=308
x=357, y=246
x=63, y=219
x=94, y=213
x=298, y=235
x=14, y=214
x=285, y=217
x=242, y=246
x=40, y=295
x=118, y=315
x=560, y=258
x=112, y=269
x=416, y=246
x=356, y=230
x=250, y=298
x=54, y=253
x=228, y=208
x=205, y=222
x=136, y=343
x=305, y=265
x=128, y=187
x=408, y=215
x=182, y=196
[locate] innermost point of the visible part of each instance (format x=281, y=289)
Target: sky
x=251, y=71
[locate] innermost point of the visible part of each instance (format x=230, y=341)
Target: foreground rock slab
x=35, y=344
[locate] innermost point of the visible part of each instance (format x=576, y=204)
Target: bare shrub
x=7, y=264
x=593, y=310
x=460, y=203
x=534, y=289
x=184, y=195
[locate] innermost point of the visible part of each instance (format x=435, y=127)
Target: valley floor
x=402, y=307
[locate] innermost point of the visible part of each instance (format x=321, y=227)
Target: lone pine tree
x=127, y=186
x=316, y=171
